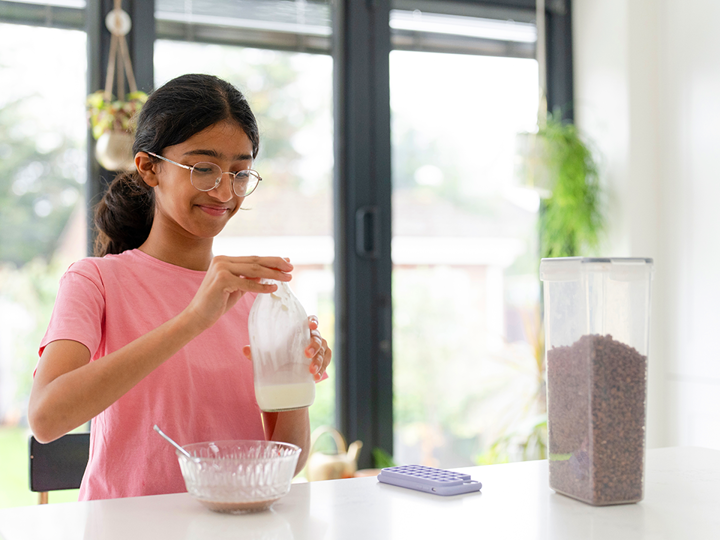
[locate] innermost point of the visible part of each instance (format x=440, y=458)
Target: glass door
x=465, y=288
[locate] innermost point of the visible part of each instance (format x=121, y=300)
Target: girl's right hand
x=228, y=279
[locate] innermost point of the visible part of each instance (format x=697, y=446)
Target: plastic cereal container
x=596, y=343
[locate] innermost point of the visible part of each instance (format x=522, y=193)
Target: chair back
x=59, y=464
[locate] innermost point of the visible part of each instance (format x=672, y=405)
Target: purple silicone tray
x=429, y=479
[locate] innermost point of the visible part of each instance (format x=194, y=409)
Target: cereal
x=596, y=420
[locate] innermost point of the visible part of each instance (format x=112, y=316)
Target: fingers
x=228, y=279
x=321, y=361
x=316, y=342
x=318, y=350
x=246, y=274
x=255, y=268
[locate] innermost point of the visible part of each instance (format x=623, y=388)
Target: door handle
x=367, y=232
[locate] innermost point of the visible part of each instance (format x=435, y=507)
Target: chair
x=59, y=464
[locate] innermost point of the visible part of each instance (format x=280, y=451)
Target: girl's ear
x=146, y=168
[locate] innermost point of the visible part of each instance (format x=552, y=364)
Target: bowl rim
x=295, y=450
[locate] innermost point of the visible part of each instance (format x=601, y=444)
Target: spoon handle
x=168, y=439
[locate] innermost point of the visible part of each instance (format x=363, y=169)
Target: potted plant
x=111, y=121
x=560, y=165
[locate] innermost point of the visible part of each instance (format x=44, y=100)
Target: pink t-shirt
x=204, y=392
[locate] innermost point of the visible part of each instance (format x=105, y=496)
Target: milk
x=282, y=397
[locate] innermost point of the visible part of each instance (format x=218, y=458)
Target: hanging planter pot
x=113, y=151
x=112, y=126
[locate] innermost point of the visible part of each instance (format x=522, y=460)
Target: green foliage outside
x=30, y=292
x=39, y=189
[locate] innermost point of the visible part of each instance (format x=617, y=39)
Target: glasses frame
x=218, y=179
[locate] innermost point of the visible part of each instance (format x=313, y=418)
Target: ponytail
x=124, y=216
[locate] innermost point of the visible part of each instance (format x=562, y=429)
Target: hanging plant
x=559, y=164
x=113, y=114
x=571, y=217
x=111, y=118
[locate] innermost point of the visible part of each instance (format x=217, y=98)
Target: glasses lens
x=245, y=183
x=204, y=176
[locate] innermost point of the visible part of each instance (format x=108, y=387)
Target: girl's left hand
x=318, y=350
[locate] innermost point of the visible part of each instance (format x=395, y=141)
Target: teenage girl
x=153, y=330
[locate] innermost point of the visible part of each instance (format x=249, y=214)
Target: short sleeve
x=79, y=310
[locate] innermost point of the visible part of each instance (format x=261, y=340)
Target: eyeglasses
x=206, y=176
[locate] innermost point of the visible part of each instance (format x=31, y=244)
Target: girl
x=152, y=329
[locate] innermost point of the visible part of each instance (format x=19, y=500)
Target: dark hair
x=172, y=114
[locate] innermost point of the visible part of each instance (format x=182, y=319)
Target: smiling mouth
x=214, y=210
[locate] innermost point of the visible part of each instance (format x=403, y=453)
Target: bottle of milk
x=279, y=335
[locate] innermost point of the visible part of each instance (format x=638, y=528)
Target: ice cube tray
x=429, y=479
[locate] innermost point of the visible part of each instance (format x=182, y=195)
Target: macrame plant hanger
x=114, y=147
x=118, y=23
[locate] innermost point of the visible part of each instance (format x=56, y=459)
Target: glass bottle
x=279, y=335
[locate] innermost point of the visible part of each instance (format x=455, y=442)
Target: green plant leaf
x=382, y=459
x=113, y=114
x=571, y=218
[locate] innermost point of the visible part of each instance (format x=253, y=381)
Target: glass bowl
x=238, y=477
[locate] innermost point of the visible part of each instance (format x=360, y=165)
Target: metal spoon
x=176, y=445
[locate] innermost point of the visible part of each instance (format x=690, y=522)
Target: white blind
x=306, y=25
x=53, y=13
x=281, y=24
x=59, y=3
x=464, y=28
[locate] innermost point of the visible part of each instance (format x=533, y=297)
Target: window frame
x=360, y=44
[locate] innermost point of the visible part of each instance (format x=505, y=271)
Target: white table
x=682, y=501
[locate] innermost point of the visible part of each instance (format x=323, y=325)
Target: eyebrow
x=215, y=154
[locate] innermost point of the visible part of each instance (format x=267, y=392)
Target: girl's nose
x=224, y=190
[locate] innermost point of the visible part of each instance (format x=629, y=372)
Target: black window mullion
x=142, y=43
x=98, y=49
x=363, y=266
x=558, y=28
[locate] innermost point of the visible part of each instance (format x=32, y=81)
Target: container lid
x=618, y=268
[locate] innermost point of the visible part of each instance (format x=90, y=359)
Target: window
x=446, y=185
x=42, y=214
x=465, y=291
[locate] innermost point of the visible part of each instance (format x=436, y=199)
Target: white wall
x=647, y=91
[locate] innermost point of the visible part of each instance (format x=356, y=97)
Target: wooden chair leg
x=43, y=497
